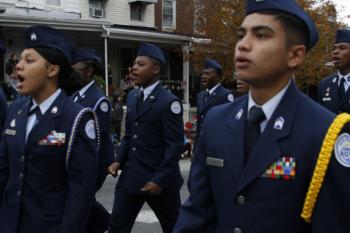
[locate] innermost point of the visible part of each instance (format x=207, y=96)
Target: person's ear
x=296, y=55
x=89, y=71
x=53, y=70
x=156, y=70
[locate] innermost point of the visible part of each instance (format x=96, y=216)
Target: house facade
x=114, y=28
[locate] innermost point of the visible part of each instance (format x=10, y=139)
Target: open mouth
x=17, y=81
x=336, y=60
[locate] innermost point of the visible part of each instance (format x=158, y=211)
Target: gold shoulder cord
x=322, y=165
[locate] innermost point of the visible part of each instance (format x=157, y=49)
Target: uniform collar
x=270, y=106
x=85, y=88
x=148, y=90
x=44, y=106
x=213, y=88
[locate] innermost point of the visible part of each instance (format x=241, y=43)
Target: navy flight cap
x=287, y=6
x=343, y=36
x=2, y=48
x=212, y=64
x=43, y=36
x=152, y=51
x=83, y=54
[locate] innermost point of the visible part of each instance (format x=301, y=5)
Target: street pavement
x=146, y=221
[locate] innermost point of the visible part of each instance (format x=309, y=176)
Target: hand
x=113, y=169
x=152, y=189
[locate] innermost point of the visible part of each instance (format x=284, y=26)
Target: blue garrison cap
x=43, y=36
x=212, y=64
x=2, y=48
x=152, y=51
x=343, y=36
x=83, y=54
x=287, y=6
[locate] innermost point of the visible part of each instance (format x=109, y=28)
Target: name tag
x=10, y=132
x=326, y=99
x=215, y=162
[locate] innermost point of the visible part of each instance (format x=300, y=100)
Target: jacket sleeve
x=123, y=149
x=197, y=214
x=173, y=136
x=3, y=108
x=331, y=213
x=4, y=164
x=81, y=177
x=103, y=113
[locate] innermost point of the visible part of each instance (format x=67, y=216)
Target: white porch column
x=186, y=81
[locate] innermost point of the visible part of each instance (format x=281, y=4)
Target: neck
x=344, y=71
x=262, y=94
x=44, y=94
x=149, y=84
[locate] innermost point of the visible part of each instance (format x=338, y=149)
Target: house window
x=169, y=14
x=53, y=2
x=137, y=11
x=96, y=9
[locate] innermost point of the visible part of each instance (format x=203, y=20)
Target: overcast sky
x=344, y=13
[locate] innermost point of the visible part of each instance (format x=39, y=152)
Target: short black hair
x=95, y=65
x=296, y=30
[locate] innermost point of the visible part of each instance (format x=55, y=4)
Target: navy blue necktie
x=206, y=96
x=252, y=131
x=37, y=113
x=341, y=88
x=139, y=103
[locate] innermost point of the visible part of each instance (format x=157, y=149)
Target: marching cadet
x=3, y=101
x=251, y=172
x=213, y=93
x=88, y=63
x=48, y=156
x=334, y=91
x=151, y=148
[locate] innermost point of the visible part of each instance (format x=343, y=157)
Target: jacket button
x=22, y=158
x=135, y=136
x=134, y=149
x=19, y=193
x=241, y=200
x=21, y=175
x=237, y=230
x=136, y=123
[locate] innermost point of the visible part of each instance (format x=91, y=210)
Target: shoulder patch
x=90, y=129
x=104, y=107
x=176, y=107
x=342, y=149
x=230, y=97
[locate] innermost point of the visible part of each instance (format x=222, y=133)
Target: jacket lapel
x=147, y=104
x=21, y=124
x=232, y=139
x=47, y=123
x=267, y=150
x=212, y=98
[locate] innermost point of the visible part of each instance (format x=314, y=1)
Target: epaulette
x=322, y=165
x=100, y=101
x=75, y=129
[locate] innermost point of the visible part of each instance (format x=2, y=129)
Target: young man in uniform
x=88, y=63
x=251, y=172
x=334, y=91
x=213, y=93
x=151, y=148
